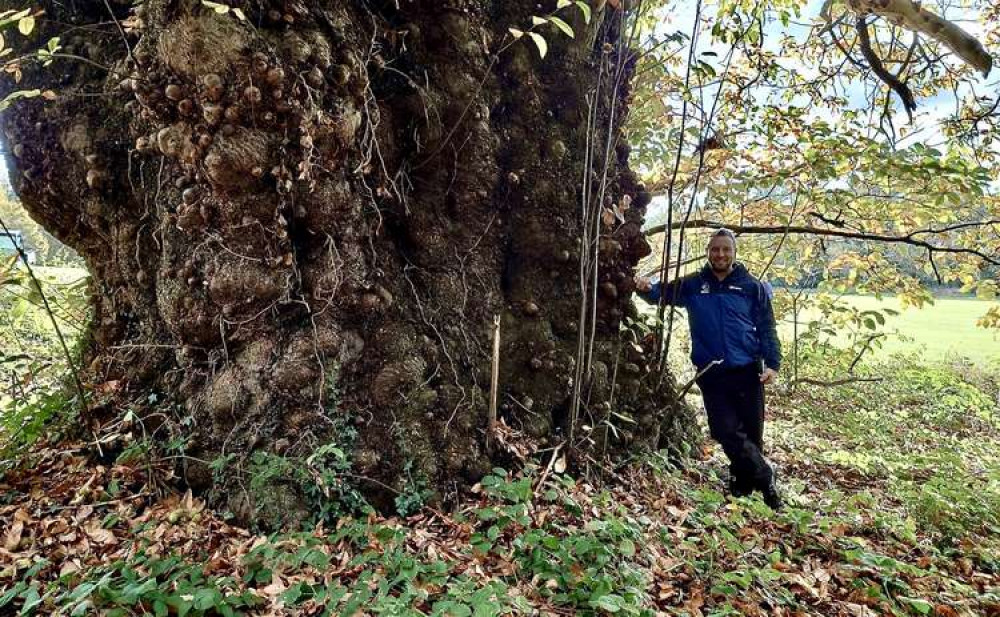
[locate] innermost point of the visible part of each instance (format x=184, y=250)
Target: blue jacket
x=731, y=320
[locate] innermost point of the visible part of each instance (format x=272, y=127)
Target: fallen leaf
x=560, y=465
x=13, y=538
x=98, y=534
x=69, y=567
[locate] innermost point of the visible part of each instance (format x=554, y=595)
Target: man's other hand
x=642, y=284
x=769, y=376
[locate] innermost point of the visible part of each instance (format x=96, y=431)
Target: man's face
x=721, y=253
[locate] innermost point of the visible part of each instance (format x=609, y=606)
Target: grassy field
x=946, y=328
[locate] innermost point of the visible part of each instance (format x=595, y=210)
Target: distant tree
x=48, y=249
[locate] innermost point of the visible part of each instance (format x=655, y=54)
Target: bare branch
x=837, y=382
x=909, y=14
x=841, y=233
x=909, y=104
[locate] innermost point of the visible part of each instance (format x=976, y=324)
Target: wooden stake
x=495, y=381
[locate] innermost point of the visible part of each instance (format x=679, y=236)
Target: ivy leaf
x=565, y=27
x=543, y=47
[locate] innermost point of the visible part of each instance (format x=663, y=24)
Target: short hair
x=722, y=232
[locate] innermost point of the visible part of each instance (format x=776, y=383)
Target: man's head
x=721, y=251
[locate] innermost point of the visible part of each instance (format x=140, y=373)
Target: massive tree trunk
x=301, y=226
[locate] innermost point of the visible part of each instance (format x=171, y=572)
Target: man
x=734, y=346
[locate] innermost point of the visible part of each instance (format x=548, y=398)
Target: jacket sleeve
x=766, y=327
x=675, y=293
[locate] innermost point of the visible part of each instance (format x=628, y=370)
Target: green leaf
x=921, y=606
x=6, y=598
x=627, y=548
x=82, y=608
x=585, y=9
x=565, y=27
x=611, y=603
x=543, y=47
x=725, y=590
x=26, y=25
x=31, y=600
x=18, y=94
x=561, y=4
x=205, y=599
x=538, y=21
x=160, y=608
x=516, y=33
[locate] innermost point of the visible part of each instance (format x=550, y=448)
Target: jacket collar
x=739, y=273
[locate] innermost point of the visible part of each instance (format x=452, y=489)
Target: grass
x=936, y=332
x=924, y=441
x=63, y=275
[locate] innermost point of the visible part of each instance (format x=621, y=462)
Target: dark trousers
x=734, y=400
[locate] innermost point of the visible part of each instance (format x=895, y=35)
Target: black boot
x=738, y=488
x=770, y=493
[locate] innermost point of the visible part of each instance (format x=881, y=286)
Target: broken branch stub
x=909, y=14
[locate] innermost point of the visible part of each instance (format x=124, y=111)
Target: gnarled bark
x=301, y=225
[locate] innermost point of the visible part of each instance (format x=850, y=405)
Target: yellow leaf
x=543, y=47
x=26, y=25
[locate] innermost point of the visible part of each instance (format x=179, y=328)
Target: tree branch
x=909, y=14
x=909, y=104
x=837, y=382
x=841, y=233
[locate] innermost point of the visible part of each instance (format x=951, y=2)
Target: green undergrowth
x=892, y=509
x=670, y=543
x=36, y=386
x=925, y=440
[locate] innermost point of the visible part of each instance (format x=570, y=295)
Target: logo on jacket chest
x=705, y=288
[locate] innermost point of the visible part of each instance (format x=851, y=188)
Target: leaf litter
x=79, y=538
